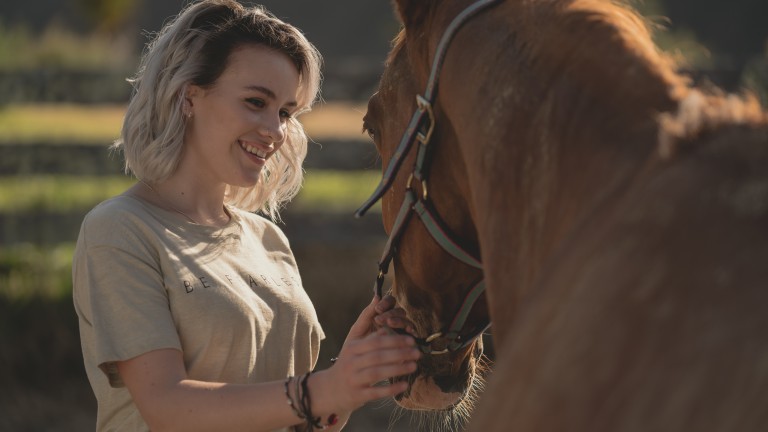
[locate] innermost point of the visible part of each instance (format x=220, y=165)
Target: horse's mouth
x=443, y=382
x=415, y=399
x=410, y=378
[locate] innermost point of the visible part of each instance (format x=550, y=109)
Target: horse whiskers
x=451, y=419
x=411, y=378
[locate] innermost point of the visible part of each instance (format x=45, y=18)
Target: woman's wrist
x=323, y=404
x=302, y=399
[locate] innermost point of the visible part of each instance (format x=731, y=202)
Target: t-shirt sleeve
x=276, y=239
x=119, y=294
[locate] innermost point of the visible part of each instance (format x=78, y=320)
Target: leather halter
x=420, y=128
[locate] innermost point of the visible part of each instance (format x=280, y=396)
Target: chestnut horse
x=620, y=215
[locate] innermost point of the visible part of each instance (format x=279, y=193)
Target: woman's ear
x=191, y=92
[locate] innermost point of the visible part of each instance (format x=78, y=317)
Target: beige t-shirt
x=229, y=298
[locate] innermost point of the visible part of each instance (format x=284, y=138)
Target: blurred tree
x=736, y=31
x=679, y=42
x=722, y=42
x=649, y=8
x=110, y=16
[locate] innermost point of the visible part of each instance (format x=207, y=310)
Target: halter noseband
x=420, y=129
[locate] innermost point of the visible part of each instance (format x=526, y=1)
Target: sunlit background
x=63, y=66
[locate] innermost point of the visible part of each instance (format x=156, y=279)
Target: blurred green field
x=100, y=124
x=51, y=193
x=60, y=123
x=57, y=46
x=31, y=270
x=324, y=190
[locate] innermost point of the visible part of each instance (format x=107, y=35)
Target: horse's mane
x=594, y=63
x=631, y=67
x=599, y=67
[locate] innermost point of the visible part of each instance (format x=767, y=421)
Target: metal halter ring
x=424, y=193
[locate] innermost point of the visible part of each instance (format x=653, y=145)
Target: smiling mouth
x=254, y=150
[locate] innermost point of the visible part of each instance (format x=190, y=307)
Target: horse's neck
x=530, y=198
x=544, y=148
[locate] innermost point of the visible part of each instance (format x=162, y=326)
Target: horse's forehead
x=398, y=56
x=398, y=78
x=410, y=52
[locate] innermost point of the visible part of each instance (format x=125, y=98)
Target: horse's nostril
x=450, y=384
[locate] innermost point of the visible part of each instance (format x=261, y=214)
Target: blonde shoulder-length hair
x=194, y=48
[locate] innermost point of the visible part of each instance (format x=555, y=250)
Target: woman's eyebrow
x=270, y=94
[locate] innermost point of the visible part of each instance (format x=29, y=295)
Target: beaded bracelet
x=290, y=399
x=306, y=405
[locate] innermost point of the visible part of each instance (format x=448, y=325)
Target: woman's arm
x=168, y=400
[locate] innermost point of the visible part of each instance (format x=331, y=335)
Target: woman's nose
x=273, y=127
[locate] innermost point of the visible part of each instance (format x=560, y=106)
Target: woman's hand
x=387, y=315
x=364, y=365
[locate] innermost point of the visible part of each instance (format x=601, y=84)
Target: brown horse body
x=621, y=216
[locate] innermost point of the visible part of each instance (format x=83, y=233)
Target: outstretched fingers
x=386, y=303
x=395, y=318
x=362, y=325
x=369, y=359
x=381, y=356
x=378, y=357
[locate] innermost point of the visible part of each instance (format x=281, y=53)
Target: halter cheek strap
x=453, y=337
x=423, y=120
x=420, y=128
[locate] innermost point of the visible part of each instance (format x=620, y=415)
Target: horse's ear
x=411, y=11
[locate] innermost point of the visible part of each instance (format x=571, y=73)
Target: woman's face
x=240, y=122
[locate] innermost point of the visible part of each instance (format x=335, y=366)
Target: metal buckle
x=425, y=105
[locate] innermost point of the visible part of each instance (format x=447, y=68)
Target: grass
x=59, y=47
x=60, y=123
x=338, y=191
x=323, y=191
x=100, y=124
x=338, y=120
x=57, y=193
x=31, y=271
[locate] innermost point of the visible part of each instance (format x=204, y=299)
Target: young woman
x=192, y=313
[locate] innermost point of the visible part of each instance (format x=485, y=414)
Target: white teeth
x=250, y=149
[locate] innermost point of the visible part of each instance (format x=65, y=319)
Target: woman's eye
x=285, y=114
x=258, y=103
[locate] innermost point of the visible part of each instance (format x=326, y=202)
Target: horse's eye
x=369, y=130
